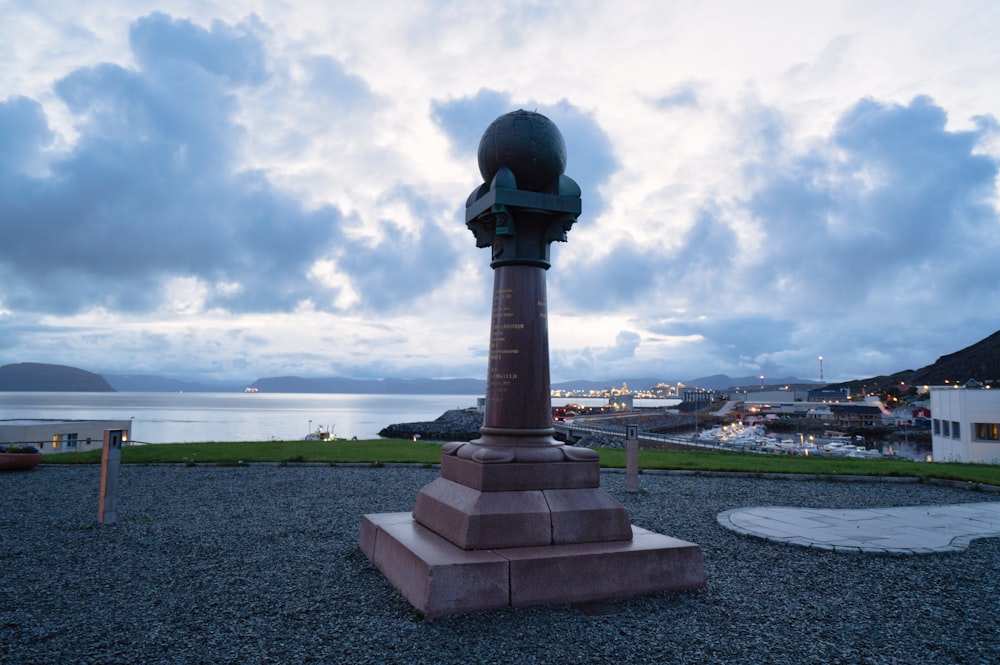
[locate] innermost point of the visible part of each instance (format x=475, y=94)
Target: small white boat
x=862, y=452
x=321, y=434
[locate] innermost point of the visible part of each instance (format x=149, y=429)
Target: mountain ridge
x=980, y=361
x=42, y=377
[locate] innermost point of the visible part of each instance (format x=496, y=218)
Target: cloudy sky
x=238, y=189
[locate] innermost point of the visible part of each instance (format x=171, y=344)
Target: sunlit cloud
x=246, y=189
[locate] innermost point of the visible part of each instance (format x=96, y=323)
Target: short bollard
x=111, y=456
x=631, y=459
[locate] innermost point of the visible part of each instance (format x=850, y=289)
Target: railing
x=63, y=448
x=571, y=432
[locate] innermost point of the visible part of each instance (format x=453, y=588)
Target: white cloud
x=259, y=188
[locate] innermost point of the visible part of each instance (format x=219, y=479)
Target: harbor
x=608, y=430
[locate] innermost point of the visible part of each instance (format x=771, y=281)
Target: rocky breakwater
x=452, y=425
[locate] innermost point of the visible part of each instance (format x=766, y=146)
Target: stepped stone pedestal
x=517, y=518
x=438, y=578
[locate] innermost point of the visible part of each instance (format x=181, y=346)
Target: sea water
x=197, y=417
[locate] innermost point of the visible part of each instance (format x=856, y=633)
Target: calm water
x=187, y=417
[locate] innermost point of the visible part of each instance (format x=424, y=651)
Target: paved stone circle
x=897, y=530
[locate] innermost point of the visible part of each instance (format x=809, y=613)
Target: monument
x=516, y=517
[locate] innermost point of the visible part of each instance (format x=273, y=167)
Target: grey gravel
x=259, y=564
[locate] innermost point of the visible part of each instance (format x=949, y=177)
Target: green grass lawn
x=705, y=460
x=382, y=451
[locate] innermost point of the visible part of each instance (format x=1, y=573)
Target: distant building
x=902, y=416
x=843, y=415
x=828, y=395
x=698, y=396
x=621, y=401
x=856, y=415
x=60, y=436
x=965, y=424
x=821, y=413
x=775, y=396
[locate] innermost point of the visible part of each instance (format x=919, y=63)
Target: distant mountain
x=163, y=384
x=587, y=384
x=40, y=377
x=714, y=382
x=724, y=382
x=296, y=384
x=980, y=361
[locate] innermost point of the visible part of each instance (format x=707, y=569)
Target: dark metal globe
x=527, y=143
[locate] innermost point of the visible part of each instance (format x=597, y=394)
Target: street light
x=697, y=405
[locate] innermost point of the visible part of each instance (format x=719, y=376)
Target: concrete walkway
x=906, y=530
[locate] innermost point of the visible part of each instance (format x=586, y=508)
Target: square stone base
x=475, y=520
x=438, y=578
x=521, y=476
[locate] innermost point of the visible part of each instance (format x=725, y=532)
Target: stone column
x=498, y=489
x=525, y=203
x=517, y=518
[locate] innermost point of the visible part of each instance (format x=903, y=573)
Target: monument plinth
x=516, y=517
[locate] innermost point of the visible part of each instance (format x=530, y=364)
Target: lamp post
x=697, y=405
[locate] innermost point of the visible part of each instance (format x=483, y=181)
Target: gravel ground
x=259, y=564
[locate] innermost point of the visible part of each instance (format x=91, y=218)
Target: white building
x=621, y=401
x=965, y=424
x=61, y=436
x=775, y=396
